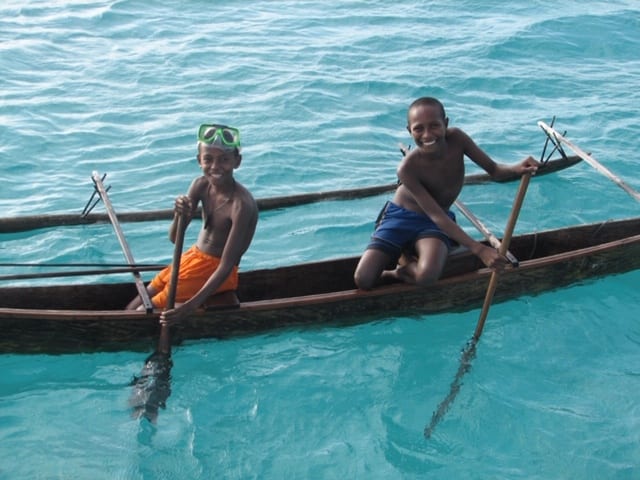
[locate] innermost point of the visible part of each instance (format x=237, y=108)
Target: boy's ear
x=446, y=122
x=238, y=159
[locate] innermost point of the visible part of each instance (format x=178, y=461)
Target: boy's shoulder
x=245, y=195
x=456, y=137
x=199, y=185
x=456, y=134
x=200, y=180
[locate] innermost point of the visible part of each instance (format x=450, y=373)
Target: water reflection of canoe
x=74, y=318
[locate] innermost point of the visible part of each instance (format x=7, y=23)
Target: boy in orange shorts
x=229, y=218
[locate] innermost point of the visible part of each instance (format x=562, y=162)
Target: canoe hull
x=312, y=295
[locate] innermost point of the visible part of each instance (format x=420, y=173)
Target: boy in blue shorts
x=419, y=219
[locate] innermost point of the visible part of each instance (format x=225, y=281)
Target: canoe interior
x=310, y=278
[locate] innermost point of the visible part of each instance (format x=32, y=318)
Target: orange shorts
x=195, y=269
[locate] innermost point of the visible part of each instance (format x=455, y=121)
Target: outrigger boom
x=102, y=191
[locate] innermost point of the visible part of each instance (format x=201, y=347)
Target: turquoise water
x=320, y=93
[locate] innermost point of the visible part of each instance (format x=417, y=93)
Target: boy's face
x=427, y=127
x=217, y=163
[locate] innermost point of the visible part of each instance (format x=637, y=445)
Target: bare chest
x=443, y=179
x=216, y=222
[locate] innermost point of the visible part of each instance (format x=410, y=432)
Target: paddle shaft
x=590, y=160
x=164, y=343
x=504, y=247
x=469, y=352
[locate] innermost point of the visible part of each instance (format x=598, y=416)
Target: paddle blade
x=468, y=354
x=152, y=388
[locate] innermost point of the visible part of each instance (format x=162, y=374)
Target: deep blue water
x=320, y=92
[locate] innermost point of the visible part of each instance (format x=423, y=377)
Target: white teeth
x=428, y=144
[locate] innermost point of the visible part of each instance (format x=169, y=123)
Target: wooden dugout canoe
x=81, y=318
x=32, y=222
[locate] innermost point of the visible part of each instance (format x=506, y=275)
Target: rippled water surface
x=320, y=91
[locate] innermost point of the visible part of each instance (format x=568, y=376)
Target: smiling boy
x=419, y=217
x=229, y=218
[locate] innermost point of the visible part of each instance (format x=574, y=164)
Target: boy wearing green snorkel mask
x=229, y=218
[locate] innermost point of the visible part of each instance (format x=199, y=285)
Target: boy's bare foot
x=389, y=276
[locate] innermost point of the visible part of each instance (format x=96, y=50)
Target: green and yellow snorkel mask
x=222, y=136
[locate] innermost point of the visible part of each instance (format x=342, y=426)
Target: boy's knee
x=363, y=282
x=426, y=277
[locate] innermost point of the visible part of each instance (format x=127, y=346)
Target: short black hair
x=428, y=101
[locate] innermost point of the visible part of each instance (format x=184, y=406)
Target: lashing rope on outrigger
x=87, y=209
x=556, y=145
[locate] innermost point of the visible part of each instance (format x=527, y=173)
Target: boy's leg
x=427, y=268
x=370, y=267
x=136, y=303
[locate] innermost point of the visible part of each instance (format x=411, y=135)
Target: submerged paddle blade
x=468, y=354
x=152, y=388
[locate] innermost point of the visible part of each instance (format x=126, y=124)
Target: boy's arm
x=185, y=205
x=240, y=236
x=505, y=172
x=182, y=208
x=498, y=171
x=243, y=227
x=409, y=178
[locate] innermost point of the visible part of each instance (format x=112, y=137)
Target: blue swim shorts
x=397, y=229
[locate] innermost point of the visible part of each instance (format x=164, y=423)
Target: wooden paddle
x=506, y=240
x=164, y=344
x=470, y=349
x=152, y=388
